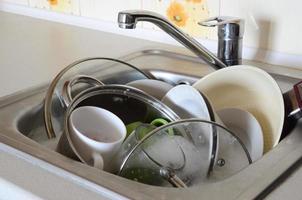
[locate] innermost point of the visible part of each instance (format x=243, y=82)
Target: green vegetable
x=131, y=127
x=143, y=175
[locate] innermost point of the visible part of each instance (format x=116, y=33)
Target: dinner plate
x=188, y=103
x=248, y=88
x=244, y=125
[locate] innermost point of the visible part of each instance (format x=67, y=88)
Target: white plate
x=251, y=89
x=246, y=127
x=187, y=103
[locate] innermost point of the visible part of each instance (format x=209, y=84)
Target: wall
x=270, y=25
x=185, y=13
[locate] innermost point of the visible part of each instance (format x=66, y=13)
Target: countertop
x=32, y=52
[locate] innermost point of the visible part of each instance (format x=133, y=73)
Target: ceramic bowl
x=155, y=88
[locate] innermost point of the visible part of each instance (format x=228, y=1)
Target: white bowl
x=245, y=126
x=251, y=89
x=155, y=88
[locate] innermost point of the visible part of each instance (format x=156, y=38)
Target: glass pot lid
x=176, y=155
x=106, y=70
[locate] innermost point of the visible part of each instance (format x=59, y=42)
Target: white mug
x=96, y=135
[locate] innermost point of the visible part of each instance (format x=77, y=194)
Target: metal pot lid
x=107, y=70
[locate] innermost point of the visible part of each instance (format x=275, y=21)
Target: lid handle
x=68, y=85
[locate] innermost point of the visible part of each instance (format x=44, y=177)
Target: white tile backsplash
x=20, y=2
x=106, y=10
x=154, y=6
x=65, y=6
x=195, y=12
x=43, y=4
x=270, y=25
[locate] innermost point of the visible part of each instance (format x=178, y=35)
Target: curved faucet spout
x=128, y=20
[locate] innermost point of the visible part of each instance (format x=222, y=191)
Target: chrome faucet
x=128, y=20
x=230, y=35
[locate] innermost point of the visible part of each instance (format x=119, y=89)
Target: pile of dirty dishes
x=95, y=111
x=243, y=112
x=126, y=131
x=174, y=136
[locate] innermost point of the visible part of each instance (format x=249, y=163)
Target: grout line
x=220, y=6
x=80, y=10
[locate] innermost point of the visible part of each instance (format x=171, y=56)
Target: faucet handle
x=229, y=27
x=230, y=35
x=220, y=20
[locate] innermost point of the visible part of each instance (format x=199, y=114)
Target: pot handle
x=298, y=90
x=293, y=101
x=67, y=87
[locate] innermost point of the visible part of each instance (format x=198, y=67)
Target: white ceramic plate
x=251, y=89
x=246, y=127
x=187, y=103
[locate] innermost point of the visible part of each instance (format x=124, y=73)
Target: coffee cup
x=129, y=104
x=96, y=134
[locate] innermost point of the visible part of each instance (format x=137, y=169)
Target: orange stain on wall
x=53, y=2
x=186, y=14
x=194, y=1
x=176, y=13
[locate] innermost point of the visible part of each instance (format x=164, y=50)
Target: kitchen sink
x=22, y=127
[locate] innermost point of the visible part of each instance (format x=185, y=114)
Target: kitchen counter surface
x=32, y=52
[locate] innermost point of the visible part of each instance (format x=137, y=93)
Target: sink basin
x=22, y=127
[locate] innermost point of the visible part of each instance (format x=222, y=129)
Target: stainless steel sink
x=22, y=127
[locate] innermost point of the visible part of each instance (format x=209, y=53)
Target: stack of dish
x=159, y=134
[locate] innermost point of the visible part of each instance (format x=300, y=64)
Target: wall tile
x=43, y=4
x=21, y=2
x=270, y=24
x=192, y=11
x=106, y=10
x=64, y=6
x=67, y=6
x=155, y=6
